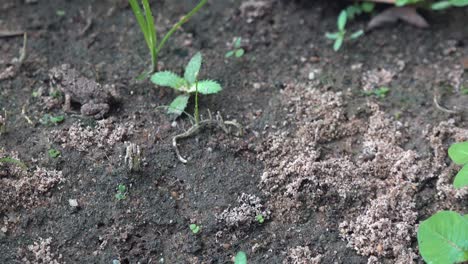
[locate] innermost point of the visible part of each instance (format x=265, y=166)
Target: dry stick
x=219, y=122
x=441, y=108
x=12, y=33
x=23, y=113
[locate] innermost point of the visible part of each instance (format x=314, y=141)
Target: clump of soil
x=356, y=166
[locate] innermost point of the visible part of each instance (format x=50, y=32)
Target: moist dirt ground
x=339, y=176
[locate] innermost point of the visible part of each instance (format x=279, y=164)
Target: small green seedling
x=10, y=160
x=358, y=8
x=187, y=85
x=260, y=219
x=443, y=238
x=146, y=22
x=241, y=258
x=237, y=51
x=53, y=153
x=458, y=153
x=60, y=13
x=339, y=36
x=439, y=5
x=49, y=120
x=121, y=192
x=379, y=93
x=195, y=228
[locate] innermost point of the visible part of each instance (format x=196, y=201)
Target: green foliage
x=53, y=153
x=406, y=2
x=443, y=238
x=121, y=192
x=458, y=153
x=187, y=85
x=379, y=93
x=340, y=36
x=146, y=22
x=241, y=258
x=237, y=51
x=49, y=120
x=447, y=4
x=13, y=161
x=195, y=228
x=260, y=219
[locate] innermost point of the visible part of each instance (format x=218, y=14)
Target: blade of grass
x=151, y=34
x=182, y=21
x=140, y=19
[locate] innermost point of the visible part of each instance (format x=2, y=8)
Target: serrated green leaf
x=193, y=68
x=169, y=79
x=338, y=43
x=357, y=34
x=461, y=179
x=342, y=20
x=443, y=238
x=179, y=104
x=206, y=87
x=458, y=152
x=239, y=53
x=241, y=258
x=441, y=5
x=333, y=35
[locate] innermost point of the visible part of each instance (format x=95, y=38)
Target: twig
x=23, y=113
x=10, y=33
x=441, y=108
x=218, y=122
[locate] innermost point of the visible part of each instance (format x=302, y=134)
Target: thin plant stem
x=197, y=116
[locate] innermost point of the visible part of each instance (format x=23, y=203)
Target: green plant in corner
x=146, y=22
x=237, y=50
x=240, y=258
x=186, y=85
x=121, y=192
x=458, y=153
x=340, y=36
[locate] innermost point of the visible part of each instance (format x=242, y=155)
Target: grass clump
x=145, y=20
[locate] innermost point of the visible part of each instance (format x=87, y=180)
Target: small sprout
x=260, y=219
x=340, y=36
x=187, y=85
x=53, y=153
x=241, y=258
x=133, y=157
x=458, y=153
x=195, y=228
x=121, y=192
x=379, y=93
x=60, y=13
x=237, y=51
x=49, y=120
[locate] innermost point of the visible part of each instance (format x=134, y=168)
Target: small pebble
x=73, y=203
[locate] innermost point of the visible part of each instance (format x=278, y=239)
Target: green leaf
x=194, y=228
x=229, y=54
x=169, y=79
x=140, y=19
x=239, y=53
x=461, y=179
x=441, y=5
x=206, y=87
x=237, y=43
x=151, y=31
x=338, y=43
x=241, y=258
x=13, y=161
x=459, y=3
x=443, y=238
x=53, y=153
x=342, y=20
x=367, y=7
x=179, y=104
x=458, y=152
x=193, y=68
x=333, y=35
x=357, y=34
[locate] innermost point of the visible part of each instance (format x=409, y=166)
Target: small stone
x=73, y=203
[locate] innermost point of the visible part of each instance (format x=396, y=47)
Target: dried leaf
x=393, y=14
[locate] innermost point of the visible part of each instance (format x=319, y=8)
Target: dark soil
x=283, y=46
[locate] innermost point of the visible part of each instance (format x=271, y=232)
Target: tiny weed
x=187, y=85
x=53, y=153
x=260, y=219
x=195, y=228
x=121, y=192
x=379, y=93
x=357, y=9
x=339, y=36
x=241, y=258
x=439, y=5
x=49, y=120
x=146, y=22
x=60, y=13
x=458, y=153
x=13, y=161
x=237, y=51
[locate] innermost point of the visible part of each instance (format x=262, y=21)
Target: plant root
x=210, y=122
